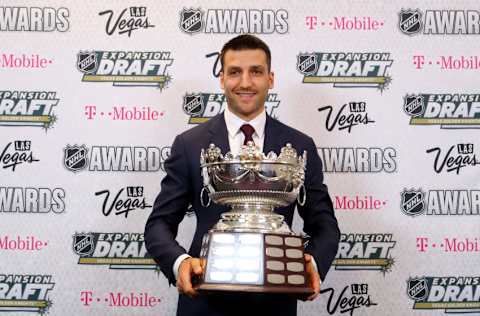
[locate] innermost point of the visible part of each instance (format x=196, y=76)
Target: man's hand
x=313, y=277
x=188, y=268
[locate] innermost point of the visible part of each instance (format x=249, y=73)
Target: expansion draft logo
x=365, y=252
x=126, y=68
x=233, y=21
x=440, y=202
x=346, y=69
x=435, y=22
x=28, y=108
x=446, y=110
x=117, y=250
x=203, y=106
x=25, y=293
x=452, y=294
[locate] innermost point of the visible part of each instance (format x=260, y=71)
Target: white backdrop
x=67, y=246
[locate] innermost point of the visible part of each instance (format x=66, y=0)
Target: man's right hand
x=188, y=268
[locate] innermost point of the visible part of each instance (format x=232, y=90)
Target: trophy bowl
x=251, y=248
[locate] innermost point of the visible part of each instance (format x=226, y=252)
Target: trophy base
x=253, y=262
x=212, y=288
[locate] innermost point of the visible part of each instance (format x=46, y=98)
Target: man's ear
x=271, y=79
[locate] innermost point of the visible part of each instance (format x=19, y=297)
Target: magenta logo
x=446, y=62
x=19, y=243
x=24, y=61
x=124, y=113
x=358, y=203
x=448, y=245
x=343, y=23
x=119, y=299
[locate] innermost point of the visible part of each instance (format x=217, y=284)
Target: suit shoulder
x=193, y=134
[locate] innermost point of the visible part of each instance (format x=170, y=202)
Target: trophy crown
x=252, y=153
x=263, y=179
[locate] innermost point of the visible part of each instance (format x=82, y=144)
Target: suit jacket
x=181, y=187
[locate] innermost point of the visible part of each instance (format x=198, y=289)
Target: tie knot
x=248, y=131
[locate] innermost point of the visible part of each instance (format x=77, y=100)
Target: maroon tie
x=248, y=131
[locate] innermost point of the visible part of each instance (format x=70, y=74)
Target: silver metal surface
x=252, y=184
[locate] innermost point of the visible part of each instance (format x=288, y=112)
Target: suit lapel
x=219, y=134
x=273, y=136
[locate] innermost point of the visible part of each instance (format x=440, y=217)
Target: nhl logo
x=413, y=202
x=87, y=62
x=193, y=104
x=75, y=157
x=191, y=20
x=413, y=105
x=410, y=21
x=417, y=289
x=83, y=244
x=307, y=64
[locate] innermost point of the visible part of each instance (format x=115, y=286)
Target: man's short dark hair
x=246, y=41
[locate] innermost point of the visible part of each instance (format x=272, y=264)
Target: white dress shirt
x=236, y=136
x=235, y=140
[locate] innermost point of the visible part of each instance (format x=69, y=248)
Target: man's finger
x=316, y=288
x=313, y=277
x=312, y=297
x=185, y=287
x=184, y=283
x=196, y=267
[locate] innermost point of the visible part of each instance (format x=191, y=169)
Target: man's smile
x=246, y=95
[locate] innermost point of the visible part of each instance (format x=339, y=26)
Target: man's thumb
x=196, y=268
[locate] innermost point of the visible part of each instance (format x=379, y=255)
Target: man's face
x=245, y=80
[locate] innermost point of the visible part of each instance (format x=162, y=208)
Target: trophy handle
x=302, y=195
x=202, y=200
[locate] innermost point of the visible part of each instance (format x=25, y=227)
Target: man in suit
x=246, y=78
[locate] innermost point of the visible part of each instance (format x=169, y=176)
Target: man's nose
x=246, y=80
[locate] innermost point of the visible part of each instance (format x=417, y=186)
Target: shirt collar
x=234, y=123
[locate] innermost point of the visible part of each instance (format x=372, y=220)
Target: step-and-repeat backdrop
x=93, y=94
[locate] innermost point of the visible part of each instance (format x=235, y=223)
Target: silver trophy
x=251, y=248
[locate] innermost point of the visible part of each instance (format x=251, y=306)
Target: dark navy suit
x=181, y=188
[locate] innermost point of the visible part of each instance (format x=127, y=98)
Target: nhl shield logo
x=417, y=289
x=413, y=202
x=83, y=244
x=87, y=62
x=307, y=64
x=410, y=21
x=193, y=104
x=413, y=105
x=75, y=157
x=191, y=20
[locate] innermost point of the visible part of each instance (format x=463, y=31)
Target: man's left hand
x=313, y=277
